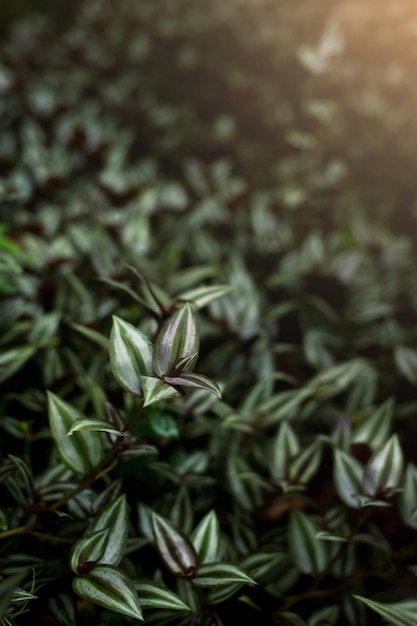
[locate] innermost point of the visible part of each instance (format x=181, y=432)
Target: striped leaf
x=177, y=340
x=408, y=497
x=396, y=614
x=155, y=596
x=206, y=538
x=348, y=478
x=113, y=518
x=88, y=549
x=309, y=553
x=176, y=550
x=384, y=469
x=81, y=452
x=376, y=428
x=285, y=448
x=154, y=390
x=84, y=424
x=130, y=355
x=201, y=296
x=220, y=574
x=306, y=463
x=63, y=609
x=192, y=379
x=11, y=361
x=110, y=588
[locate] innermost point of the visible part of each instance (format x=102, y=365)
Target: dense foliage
x=208, y=357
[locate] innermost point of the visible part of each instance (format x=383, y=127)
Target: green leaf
x=325, y=617
x=348, y=478
x=109, y=587
x=384, y=469
x=408, y=497
x=263, y=565
x=397, y=613
x=283, y=405
x=218, y=595
x=130, y=292
x=89, y=548
x=309, y=553
x=201, y=296
x=376, y=428
x=7, y=589
x=96, y=425
x=285, y=448
x=154, y=390
x=306, y=463
x=151, y=296
x=156, y=596
x=93, y=335
x=181, y=513
x=157, y=422
x=130, y=355
x=324, y=535
x=176, y=550
x=221, y=574
x=81, y=452
x=24, y=471
x=406, y=361
x=177, y=340
x=63, y=609
x=192, y=379
x=293, y=619
x=206, y=538
x=113, y=517
x=333, y=380
x=11, y=361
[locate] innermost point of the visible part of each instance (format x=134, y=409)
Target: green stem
x=99, y=473
x=20, y=530
x=51, y=538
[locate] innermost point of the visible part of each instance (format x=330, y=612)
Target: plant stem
x=99, y=473
x=47, y=537
x=19, y=530
x=100, y=470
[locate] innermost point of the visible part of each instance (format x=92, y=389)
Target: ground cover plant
x=208, y=351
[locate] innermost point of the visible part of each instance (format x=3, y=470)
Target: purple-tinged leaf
x=154, y=389
x=130, y=355
x=192, y=379
x=384, y=469
x=175, y=549
x=84, y=424
x=178, y=339
x=88, y=549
